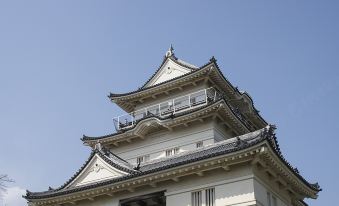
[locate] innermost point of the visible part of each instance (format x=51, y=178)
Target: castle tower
x=190, y=138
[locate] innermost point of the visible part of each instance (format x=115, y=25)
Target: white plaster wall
x=261, y=195
x=221, y=132
x=238, y=187
x=173, y=94
x=102, y=201
x=186, y=138
x=169, y=71
x=181, y=199
x=96, y=170
x=235, y=193
x=231, y=188
x=155, y=145
x=238, y=191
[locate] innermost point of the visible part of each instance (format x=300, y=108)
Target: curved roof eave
x=114, y=96
x=236, y=90
x=212, y=61
x=79, y=171
x=239, y=143
x=88, y=139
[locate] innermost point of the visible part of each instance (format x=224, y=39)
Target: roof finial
x=213, y=59
x=170, y=51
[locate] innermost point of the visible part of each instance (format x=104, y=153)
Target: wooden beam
x=110, y=194
x=141, y=136
x=200, y=174
x=131, y=189
x=214, y=117
x=141, y=203
x=169, y=128
x=257, y=161
x=270, y=172
x=226, y=167
x=175, y=179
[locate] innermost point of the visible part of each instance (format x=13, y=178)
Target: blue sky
x=60, y=59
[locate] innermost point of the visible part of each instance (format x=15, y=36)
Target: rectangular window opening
x=200, y=144
x=196, y=198
x=210, y=197
x=172, y=151
x=143, y=159
x=269, y=199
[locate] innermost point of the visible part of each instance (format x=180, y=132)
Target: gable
x=169, y=70
x=96, y=170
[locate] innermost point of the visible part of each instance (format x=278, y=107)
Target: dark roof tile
x=220, y=148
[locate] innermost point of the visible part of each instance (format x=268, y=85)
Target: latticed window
x=200, y=144
x=142, y=159
x=210, y=197
x=208, y=200
x=196, y=198
x=172, y=151
x=269, y=199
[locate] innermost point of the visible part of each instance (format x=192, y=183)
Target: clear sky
x=60, y=59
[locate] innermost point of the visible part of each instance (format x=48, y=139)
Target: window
x=200, y=144
x=142, y=159
x=274, y=201
x=196, y=198
x=269, y=199
x=172, y=151
x=210, y=197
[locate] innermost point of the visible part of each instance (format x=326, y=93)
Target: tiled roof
x=212, y=61
x=143, y=87
x=220, y=148
x=107, y=156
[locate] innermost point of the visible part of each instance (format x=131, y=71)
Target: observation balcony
x=167, y=108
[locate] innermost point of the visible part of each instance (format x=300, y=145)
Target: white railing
x=164, y=109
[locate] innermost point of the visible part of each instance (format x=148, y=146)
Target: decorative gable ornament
x=171, y=68
x=96, y=170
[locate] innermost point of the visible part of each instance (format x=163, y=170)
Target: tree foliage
x=4, y=180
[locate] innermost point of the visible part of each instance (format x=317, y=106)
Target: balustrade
x=164, y=109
